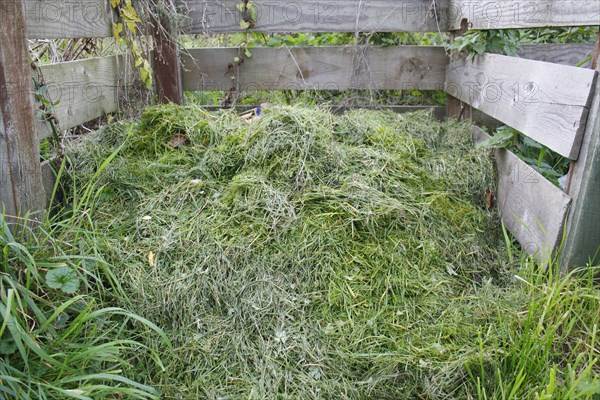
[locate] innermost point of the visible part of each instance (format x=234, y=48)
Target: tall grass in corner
x=549, y=350
x=59, y=342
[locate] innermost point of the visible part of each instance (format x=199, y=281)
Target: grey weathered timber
x=486, y=14
x=221, y=16
x=564, y=53
x=531, y=207
x=327, y=68
x=51, y=19
x=547, y=102
x=582, y=243
x=439, y=112
x=21, y=189
x=86, y=90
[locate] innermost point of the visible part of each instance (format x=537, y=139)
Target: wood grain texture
x=547, y=102
x=53, y=19
x=582, y=244
x=565, y=54
x=86, y=90
x=327, y=68
x=221, y=16
x=21, y=189
x=486, y=14
x=531, y=207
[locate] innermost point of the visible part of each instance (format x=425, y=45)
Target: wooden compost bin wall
x=548, y=102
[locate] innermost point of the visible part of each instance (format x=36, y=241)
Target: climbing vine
x=125, y=32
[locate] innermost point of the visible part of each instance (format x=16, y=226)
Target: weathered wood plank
x=21, y=189
x=566, y=54
x=221, y=16
x=531, y=207
x=327, y=68
x=86, y=90
x=582, y=244
x=52, y=19
x=547, y=102
x=523, y=13
x=439, y=112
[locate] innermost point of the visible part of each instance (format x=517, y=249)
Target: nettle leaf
x=63, y=278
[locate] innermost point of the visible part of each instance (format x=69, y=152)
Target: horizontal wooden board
x=85, y=89
x=488, y=14
x=53, y=19
x=547, y=102
x=531, y=207
x=566, y=54
x=222, y=16
x=439, y=112
x=326, y=68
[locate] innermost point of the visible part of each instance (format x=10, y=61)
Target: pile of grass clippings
x=304, y=255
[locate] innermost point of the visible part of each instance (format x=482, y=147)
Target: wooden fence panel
x=486, y=14
x=53, y=19
x=547, y=102
x=566, y=54
x=531, y=207
x=327, y=68
x=221, y=16
x=86, y=90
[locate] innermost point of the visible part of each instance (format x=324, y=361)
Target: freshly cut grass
x=313, y=256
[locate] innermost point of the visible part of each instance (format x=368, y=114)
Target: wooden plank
x=86, y=90
x=547, y=102
x=221, y=16
x=326, y=68
x=52, y=19
x=439, y=112
x=523, y=13
x=582, y=244
x=565, y=54
x=21, y=189
x=531, y=207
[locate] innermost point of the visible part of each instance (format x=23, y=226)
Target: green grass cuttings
x=313, y=256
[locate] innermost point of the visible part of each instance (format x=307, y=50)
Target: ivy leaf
x=244, y=25
x=117, y=30
x=63, y=278
x=115, y=3
x=248, y=53
x=241, y=7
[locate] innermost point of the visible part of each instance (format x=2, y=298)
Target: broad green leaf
x=63, y=278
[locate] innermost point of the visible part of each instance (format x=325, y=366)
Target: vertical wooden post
x=454, y=107
x=21, y=188
x=167, y=68
x=582, y=242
